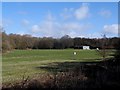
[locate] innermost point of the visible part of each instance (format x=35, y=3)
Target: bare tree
x=103, y=51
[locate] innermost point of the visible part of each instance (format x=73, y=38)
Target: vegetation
x=16, y=41
x=48, y=62
x=55, y=68
x=20, y=62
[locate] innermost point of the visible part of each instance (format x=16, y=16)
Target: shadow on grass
x=102, y=74
x=82, y=75
x=66, y=66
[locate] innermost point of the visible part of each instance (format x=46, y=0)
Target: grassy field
x=19, y=63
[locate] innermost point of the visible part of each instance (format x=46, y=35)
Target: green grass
x=19, y=63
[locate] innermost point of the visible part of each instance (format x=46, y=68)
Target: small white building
x=86, y=47
x=97, y=48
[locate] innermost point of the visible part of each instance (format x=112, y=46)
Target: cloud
x=77, y=13
x=94, y=35
x=105, y=13
x=49, y=16
x=1, y=25
x=52, y=28
x=82, y=12
x=35, y=28
x=21, y=33
x=25, y=22
x=48, y=27
x=111, y=29
x=6, y=22
x=67, y=13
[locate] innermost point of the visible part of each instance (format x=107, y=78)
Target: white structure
x=97, y=48
x=74, y=53
x=86, y=47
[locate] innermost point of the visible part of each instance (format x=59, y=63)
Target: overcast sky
x=57, y=19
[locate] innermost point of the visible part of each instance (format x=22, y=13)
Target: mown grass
x=19, y=63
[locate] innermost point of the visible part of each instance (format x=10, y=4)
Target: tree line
x=16, y=41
